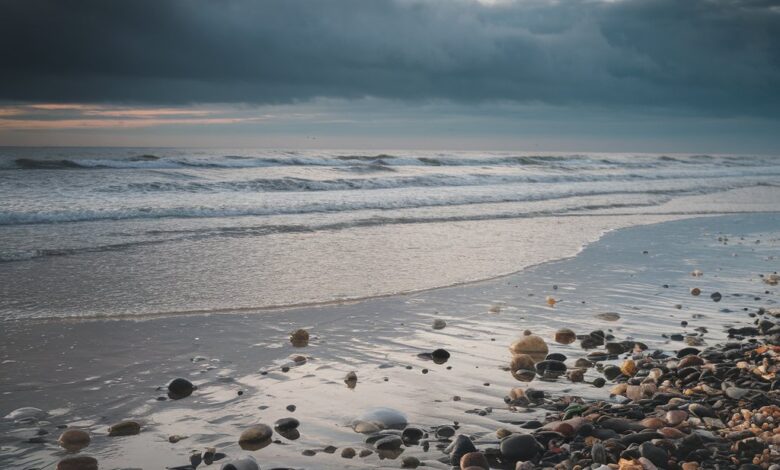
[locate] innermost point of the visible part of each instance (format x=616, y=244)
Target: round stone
x=255, y=437
x=286, y=424
x=351, y=379
x=299, y=338
x=532, y=345
x=611, y=372
x=565, y=336
x=551, y=368
x=180, y=388
x=439, y=324
x=74, y=440
x=348, y=452
x=390, y=442
x=695, y=291
x=81, y=462
x=440, y=356
x=520, y=447
x=474, y=459
x=715, y=296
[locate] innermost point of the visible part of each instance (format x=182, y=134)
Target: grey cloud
x=718, y=57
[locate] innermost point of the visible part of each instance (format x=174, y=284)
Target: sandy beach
x=247, y=372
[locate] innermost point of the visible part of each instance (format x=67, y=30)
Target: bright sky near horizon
x=581, y=75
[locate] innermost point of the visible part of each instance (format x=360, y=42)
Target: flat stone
x=81, y=462
x=520, y=447
x=74, y=440
x=124, y=428
x=255, y=437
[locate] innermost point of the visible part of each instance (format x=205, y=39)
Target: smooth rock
x=124, y=428
x=255, y=437
x=532, y=345
x=81, y=462
x=474, y=459
x=410, y=462
x=439, y=324
x=655, y=454
x=391, y=442
x=550, y=368
x=520, y=447
x=565, y=336
x=348, y=452
x=180, y=388
x=286, y=424
x=74, y=440
x=461, y=446
x=383, y=418
x=246, y=463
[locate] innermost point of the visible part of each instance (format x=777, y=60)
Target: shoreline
x=103, y=377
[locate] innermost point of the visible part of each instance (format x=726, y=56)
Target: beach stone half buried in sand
x=377, y=419
x=81, y=462
x=256, y=437
x=299, y=338
x=608, y=316
x=532, y=345
x=74, y=440
x=461, y=446
x=439, y=324
x=124, y=428
x=180, y=388
x=565, y=336
x=247, y=463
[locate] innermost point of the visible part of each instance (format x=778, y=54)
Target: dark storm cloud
x=712, y=56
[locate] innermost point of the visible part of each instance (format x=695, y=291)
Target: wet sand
x=92, y=374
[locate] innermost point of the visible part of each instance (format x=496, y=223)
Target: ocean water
x=136, y=232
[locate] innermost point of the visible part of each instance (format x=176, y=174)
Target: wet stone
x=439, y=324
x=520, y=447
x=255, y=437
x=286, y=424
x=348, y=452
x=74, y=440
x=180, y=388
x=460, y=447
x=81, y=462
x=124, y=428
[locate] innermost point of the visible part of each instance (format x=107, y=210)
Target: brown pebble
x=474, y=460
x=689, y=361
x=348, y=452
x=695, y=291
x=74, y=440
x=365, y=453
x=299, y=338
x=565, y=336
x=124, y=428
x=675, y=417
x=502, y=433
x=81, y=462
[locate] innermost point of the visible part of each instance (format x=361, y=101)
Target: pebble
x=461, y=446
x=246, y=463
x=565, y=336
x=180, y=388
x=532, y=345
x=474, y=459
x=716, y=296
x=608, y=316
x=286, y=424
x=255, y=437
x=74, y=440
x=124, y=428
x=299, y=338
x=81, y=462
x=351, y=379
x=695, y=291
x=410, y=462
x=519, y=447
x=439, y=324
x=348, y=452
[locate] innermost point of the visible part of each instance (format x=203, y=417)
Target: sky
x=563, y=75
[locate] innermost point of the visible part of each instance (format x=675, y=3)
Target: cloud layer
x=719, y=57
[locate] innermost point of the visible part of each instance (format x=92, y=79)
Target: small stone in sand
x=290, y=408
x=439, y=324
x=608, y=316
x=715, y=296
x=74, y=440
x=256, y=437
x=348, y=452
x=697, y=273
x=351, y=379
x=410, y=462
x=176, y=438
x=180, y=388
x=81, y=462
x=124, y=428
x=695, y=291
x=551, y=301
x=532, y=345
x=565, y=336
x=299, y=338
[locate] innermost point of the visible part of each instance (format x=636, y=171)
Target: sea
x=142, y=232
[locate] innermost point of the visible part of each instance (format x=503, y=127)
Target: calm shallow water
x=140, y=232
x=94, y=373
